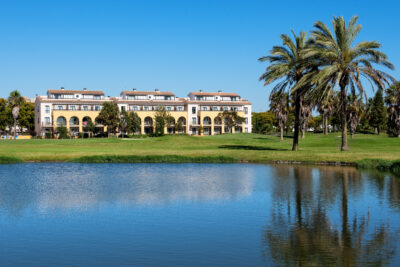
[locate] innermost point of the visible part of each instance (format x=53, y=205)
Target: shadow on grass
x=251, y=147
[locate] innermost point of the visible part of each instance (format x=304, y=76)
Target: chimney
x=84, y=89
x=201, y=91
x=157, y=90
x=134, y=89
x=219, y=91
x=62, y=88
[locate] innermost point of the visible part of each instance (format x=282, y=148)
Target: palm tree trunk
x=343, y=117
x=281, y=124
x=296, y=122
x=303, y=133
x=15, y=128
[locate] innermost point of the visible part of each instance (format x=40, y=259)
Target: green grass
x=239, y=147
x=10, y=160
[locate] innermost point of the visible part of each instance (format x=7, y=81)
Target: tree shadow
x=251, y=147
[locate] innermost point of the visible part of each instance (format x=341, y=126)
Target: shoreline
x=373, y=164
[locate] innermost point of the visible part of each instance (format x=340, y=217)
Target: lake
x=67, y=214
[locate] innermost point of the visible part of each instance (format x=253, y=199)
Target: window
x=169, y=108
x=135, y=108
x=85, y=108
x=60, y=107
x=180, y=108
x=96, y=97
x=167, y=98
x=225, y=108
x=194, y=120
x=233, y=98
x=146, y=108
x=204, y=108
x=235, y=109
x=193, y=110
x=246, y=110
x=72, y=107
x=47, y=120
x=246, y=130
x=38, y=120
x=122, y=108
x=246, y=120
x=97, y=108
x=215, y=108
x=47, y=108
x=200, y=98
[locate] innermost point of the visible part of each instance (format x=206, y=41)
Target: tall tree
x=109, y=116
x=344, y=64
x=305, y=115
x=279, y=104
x=392, y=99
x=6, y=118
x=287, y=67
x=378, y=112
x=26, y=117
x=326, y=108
x=15, y=100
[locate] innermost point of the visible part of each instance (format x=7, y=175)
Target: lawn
x=243, y=147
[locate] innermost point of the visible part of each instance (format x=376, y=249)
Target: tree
x=179, y=127
x=62, y=132
x=15, y=100
x=378, y=112
x=305, y=114
x=162, y=117
x=279, y=104
x=109, y=116
x=88, y=127
x=133, y=122
x=230, y=119
x=263, y=122
x=26, y=117
x=354, y=112
x=123, y=122
x=344, y=64
x=6, y=118
x=287, y=67
x=392, y=100
x=326, y=108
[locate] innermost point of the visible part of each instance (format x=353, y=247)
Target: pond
x=66, y=214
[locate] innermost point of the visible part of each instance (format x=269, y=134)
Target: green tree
x=344, y=64
x=263, y=122
x=326, y=107
x=287, y=67
x=26, y=117
x=279, y=104
x=109, y=116
x=89, y=128
x=62, y=132
x=123, y=122
x=230, y=119
x=378, y=112
x=392, y=100
x=133, y=122
x=161, y=117
x=179, y=127
x=6, y=118
x=15, y=100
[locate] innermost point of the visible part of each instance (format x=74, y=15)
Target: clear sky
x=179, y=46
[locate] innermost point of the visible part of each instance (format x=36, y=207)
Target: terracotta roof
x=213, y=94
x=83, y=92
x=147, y=93
x=151, y=102
x=238, y=103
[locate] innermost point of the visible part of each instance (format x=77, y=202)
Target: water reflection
x=82, y=186
x=316, y=221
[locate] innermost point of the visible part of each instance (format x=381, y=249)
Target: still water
x=197, y=214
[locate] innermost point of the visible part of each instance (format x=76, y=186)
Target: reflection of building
x=74, y=108
x=82, y=186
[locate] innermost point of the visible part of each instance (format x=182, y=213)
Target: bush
x=48, y=135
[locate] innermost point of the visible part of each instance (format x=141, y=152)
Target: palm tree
x=286, y=67
x=326, y=108
x=344, y=64
x=392, y=99
x=354, y=112
x=279, y=104
x=305, y=114
x=15, y=100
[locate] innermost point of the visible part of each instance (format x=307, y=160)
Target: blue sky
x=179, y=46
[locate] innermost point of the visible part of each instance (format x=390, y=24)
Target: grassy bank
x=380, y=164
x=239, y=147
x=152, y=159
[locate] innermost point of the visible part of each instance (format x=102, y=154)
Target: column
x=212, y=126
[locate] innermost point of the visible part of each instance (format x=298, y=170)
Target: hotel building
x=200, y=110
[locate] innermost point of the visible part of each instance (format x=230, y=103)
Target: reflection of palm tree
x=313, y=241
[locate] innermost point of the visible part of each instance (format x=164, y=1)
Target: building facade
x=198, y=113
